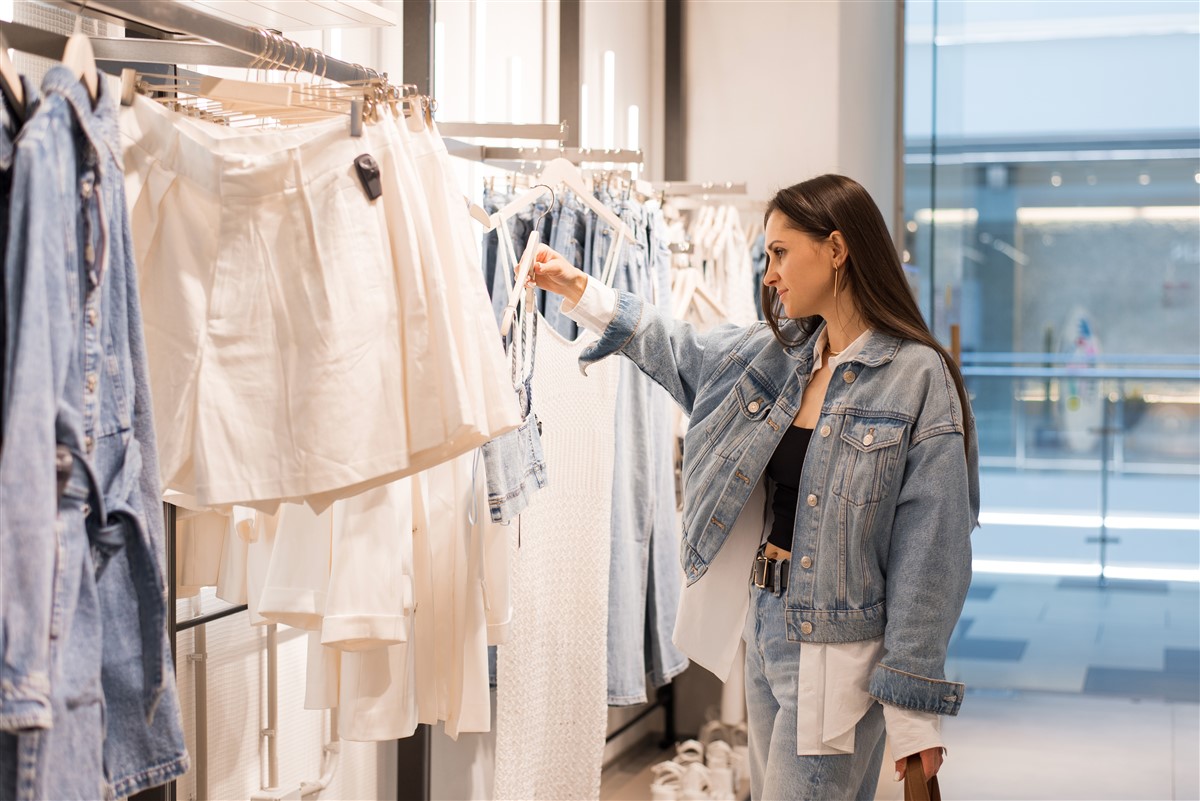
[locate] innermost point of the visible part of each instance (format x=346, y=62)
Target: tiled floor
x=1074, y=692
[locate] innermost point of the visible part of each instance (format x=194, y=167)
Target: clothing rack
x=248, y=46
x=513, y=156
x=664, y=699
x=677, y=189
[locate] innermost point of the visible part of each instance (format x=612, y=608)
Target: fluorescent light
x=1152, y=573
x=1179, y=213
x=633, y=129
x=1068, y=520
x=439, y=64
x=335, y=43
x=480, y=88
x=949, y=216
x=584, y=138
x=1032, y=215
x=515, y=97
x=1084, y=570
x=1034, y=568
x=610, y=99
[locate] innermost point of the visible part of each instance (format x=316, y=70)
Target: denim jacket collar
x=100, y=128
x=879, y=349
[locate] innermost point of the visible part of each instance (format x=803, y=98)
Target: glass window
x=1052, y=210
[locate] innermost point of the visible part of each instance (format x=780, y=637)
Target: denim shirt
x=889, y=495
x=84, y=606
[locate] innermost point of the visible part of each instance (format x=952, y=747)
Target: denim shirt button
x=88, y=444
x=92, y=317
x=91, y=382
x=806, y=562
x=806, y=627
x=753, y=407
x=848, y=376
x=825, y=430
x=812, y=500
x=868, y=439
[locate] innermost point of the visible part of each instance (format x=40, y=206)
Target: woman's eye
x=778, y=253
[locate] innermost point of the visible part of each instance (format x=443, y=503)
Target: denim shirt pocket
x=869, y=451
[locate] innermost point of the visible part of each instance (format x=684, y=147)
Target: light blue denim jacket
x=889, y=495
x=86, y=681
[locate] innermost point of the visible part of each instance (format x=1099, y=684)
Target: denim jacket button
x=848, y=376
x=92, y=317
x=753, y=407
x=806, y=627
x=812, y=500
x=868, y=439
x=825, y=431
x=806, y=562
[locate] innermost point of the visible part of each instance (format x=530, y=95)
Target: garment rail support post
x=413, y=765
x=413, y=753
x=418, y=44
x=199, y=660
x=166, y=792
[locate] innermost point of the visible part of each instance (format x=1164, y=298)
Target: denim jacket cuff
x=619, y=332
x=909, y=691
x=26, y=704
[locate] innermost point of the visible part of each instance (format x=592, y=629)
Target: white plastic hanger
x=523, y=268
x=560, y=172
x=79, y=57
x=12, y=78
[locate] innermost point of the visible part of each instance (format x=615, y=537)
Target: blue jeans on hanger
x=644, y=576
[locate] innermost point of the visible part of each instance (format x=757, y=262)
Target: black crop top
x=784, y=469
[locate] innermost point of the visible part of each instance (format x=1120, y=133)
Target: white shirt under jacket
x=832, y=692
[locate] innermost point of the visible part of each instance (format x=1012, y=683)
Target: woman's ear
x=837, y=244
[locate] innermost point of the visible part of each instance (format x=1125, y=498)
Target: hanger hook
x=79, y=17
x=553, y=200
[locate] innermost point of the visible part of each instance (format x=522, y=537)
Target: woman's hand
x=931, y=760
x=553, y=273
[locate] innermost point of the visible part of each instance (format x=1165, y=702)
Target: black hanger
x=15, y=107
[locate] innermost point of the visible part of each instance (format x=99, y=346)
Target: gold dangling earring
x=836, y=273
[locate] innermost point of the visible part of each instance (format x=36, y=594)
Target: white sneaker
x=689, y=752
x=668, y=777
x=721, y=784
x=696, y=783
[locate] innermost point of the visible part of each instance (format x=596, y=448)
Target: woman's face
x=800, y=268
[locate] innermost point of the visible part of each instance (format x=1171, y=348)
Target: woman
x=859, y=422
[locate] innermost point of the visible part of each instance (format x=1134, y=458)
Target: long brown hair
x=872, y=271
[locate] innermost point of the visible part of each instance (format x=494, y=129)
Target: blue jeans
x=644, y=581
x=772, y=675
x=569, y=230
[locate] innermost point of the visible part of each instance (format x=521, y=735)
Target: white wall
x=780, y=92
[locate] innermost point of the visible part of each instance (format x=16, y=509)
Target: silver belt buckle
x=761, y=565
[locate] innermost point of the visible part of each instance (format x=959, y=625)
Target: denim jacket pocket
x=870, y=451
x=750, y=405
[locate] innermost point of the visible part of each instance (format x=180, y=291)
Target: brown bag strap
x=915, y=786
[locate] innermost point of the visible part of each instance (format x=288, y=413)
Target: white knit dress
x=552, y=675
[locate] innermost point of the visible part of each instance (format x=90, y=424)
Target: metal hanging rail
x=255, y=43
x=678, y=188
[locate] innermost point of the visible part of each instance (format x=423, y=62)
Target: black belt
x=770, y=574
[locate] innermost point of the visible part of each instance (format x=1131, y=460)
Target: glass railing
x=1088, y=469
